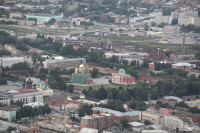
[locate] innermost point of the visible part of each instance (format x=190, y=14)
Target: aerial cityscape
x=99, y=66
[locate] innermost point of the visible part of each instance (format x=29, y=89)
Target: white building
x=67, y=63
x=154, y=131
x=24, y=95
x=169, y=121
x=15, y=15
x=9, y=61
x=36, y=104
x=128, y=56
x=88, y=130
x=162, y=19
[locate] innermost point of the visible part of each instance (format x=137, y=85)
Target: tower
x=24, y=84
x=29, y=84
x=183, y=44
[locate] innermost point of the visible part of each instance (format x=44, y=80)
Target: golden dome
x=81, y=66
x=76, y=69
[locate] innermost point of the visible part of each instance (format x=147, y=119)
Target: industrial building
x=66, y=63
x=9, y=61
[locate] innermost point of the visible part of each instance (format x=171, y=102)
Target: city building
x=154, y=131
x=16, y=15
x=182, y=56
x=168, y=121
x=82, y=75
x=151, y=66
x=160, y=110
x=8, y=112
x=120, y=19
x=46, y=91
x=192, y=104
x=171, y=99
x=28, y=94
x=117, y=115
x=187, y=115
x=122, y=78
x=9, y=61
x=96, y=121
x=88, y=130
x=26, y=22
x=162, y=19
x=183, y=66
x=66, y=63
x=129, y=56
x=63, y=23
x=44, y=17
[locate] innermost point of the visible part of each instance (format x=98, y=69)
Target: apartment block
x=96, y=121
x=168, y=121
x=67, y=63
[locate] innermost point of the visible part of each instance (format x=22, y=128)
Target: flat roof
x=182, y=64
x=8, y=87
x=116, y=113
x=4, y=125
x=55, y=61
x=172, y=97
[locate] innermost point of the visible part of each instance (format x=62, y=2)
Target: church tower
x=29, y=83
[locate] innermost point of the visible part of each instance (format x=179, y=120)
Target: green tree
x=94, y=72
x=102, y=93
x=124, y=122
x=70, y=88
x=10, y=128
x=174, y=21
x=147, y=122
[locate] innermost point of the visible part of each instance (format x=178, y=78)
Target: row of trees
x=177, y=86
x=54, y=79
x=28, y=111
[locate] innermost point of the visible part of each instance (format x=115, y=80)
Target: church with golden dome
x=46, y=91
x=82, y=75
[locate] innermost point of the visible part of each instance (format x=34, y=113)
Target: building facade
x=169, y=121
x=97, y=121
x=117, y=116
x=8, y=112
x=183, y=66
x=67, y=63
x=9, y=61
x=82, y=75
x=122, y=78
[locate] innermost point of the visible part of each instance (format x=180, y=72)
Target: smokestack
x=183, y=45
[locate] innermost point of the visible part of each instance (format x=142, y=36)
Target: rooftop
x=8, y=108
x=182, y=64
x=56, y=61
x=4, y=125
x=22, y=91
x=116, y=113
x=172, y=97
x=136, y=124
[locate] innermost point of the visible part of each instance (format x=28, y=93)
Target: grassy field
x=172, y=47
x=17, y=29
x=109, y=86
x=120, y=38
